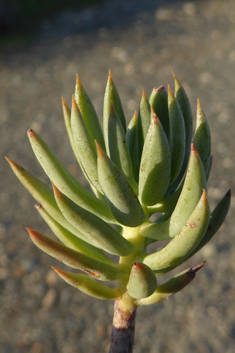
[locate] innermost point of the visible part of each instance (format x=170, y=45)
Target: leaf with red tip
x=59, y=175
x=195, y=181
x=202, y=137
x=159, y=101
x=216, y=220
x=155, y=166
x=70, y=240
x=174, y=285
x=177, y=135
x=144, y=119
x=89, y=114
x=111, y=95
x=183, y=244
x=142, y=281
x=88, y=285
x=72, y=258
x=132, y=144
x=83, y=144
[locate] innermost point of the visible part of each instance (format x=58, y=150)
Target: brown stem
x=123, y=330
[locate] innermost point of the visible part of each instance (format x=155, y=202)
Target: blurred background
x=42, y=46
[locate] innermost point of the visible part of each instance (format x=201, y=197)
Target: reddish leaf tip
x=204, y=195
x=78, y=81
x=193, y=147
x=170, y=91
x=110, y=76
x=198, y=267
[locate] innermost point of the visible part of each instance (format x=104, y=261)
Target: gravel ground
x=39, y=312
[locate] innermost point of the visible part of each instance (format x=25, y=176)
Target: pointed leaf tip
x=229, y=193
x=63, y=102
x=159, y=89
x=78, y=81
x=198, y=267
x=193, y=147
x=170, y=91
x=144, y=93
x=31, y=132
x=199, y=107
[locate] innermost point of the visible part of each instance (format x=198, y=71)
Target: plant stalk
x=123, y=329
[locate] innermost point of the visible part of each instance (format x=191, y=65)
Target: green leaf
x=142, y=281
x=98, y=269
x=64, y=181
x=195, y=181
x=179, y=248
x=99, y=233
x=167, y=204
x=202, y=137
x=89, y=114
x=120, y=197
x=111, y=95
x=43, y=195
x=216, y=220
x=132, y=144
x=144, y=119
x=70, y=240
x=159, y=101
x=174, y=285
x=155, y=166
x=177, y=135
x=88, y=285
x=85, y=150
x=118, y=150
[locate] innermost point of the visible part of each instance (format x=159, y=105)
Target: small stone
x=49, y=298
x=51, y=278
x=164, y=15
x=189, y=9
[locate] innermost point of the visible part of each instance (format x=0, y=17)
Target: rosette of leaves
x=156, y=166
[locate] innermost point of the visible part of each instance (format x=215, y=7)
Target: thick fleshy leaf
x=83, y=144
x=155, y=166
x=118, y=150
x=202, y=137
x=177, y=135
x=216, y=220
x=88, y=285
x=64, y=181
x=99, y=233
x=167, y=205
x=132, y=144
x=194, y=182
x=98, y=269
x=120, y=197
x=142, y=281
x=70, y=240
x=43, y=195
x=184, y=104
x=67, y=121
x=159, y=101
x=183, y=244
x=88, y=113
x=174, y=285
x=111, y=95
x=144, y=119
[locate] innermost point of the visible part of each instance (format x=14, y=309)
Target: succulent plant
x=155, y=167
